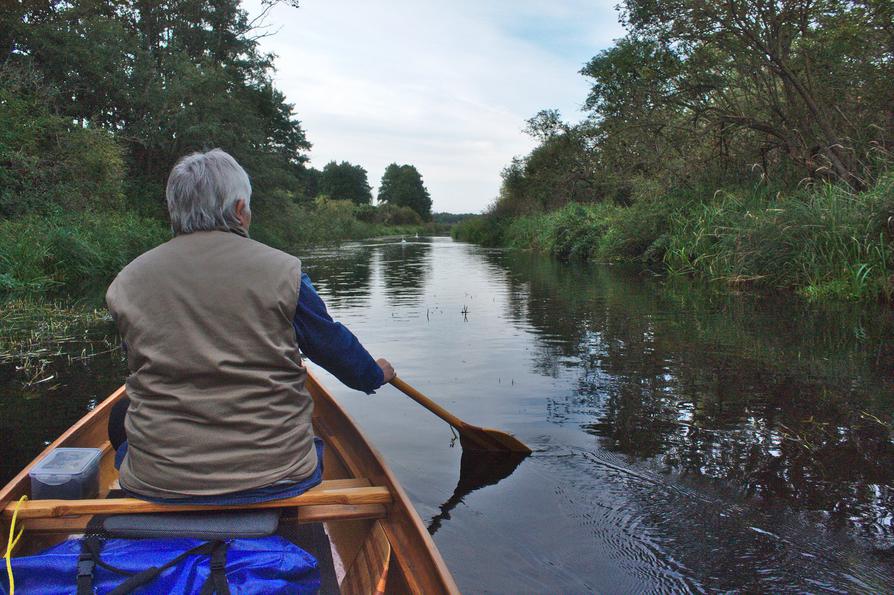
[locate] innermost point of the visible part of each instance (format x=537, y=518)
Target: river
x=684, y=439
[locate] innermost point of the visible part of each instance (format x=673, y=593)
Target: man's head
x=208, y=191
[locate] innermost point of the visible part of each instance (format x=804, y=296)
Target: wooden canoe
x=378, y=536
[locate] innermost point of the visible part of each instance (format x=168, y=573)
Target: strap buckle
x=218, y=561
x=85, y=565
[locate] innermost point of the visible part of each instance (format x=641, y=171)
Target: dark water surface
x=684, y=440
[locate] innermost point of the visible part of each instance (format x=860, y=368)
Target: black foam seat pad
x=197, y=525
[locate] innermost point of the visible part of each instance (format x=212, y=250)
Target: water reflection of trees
x=781, y=399
x=343, y=275
x=406, y=268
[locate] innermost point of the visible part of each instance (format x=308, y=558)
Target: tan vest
x=218, y=402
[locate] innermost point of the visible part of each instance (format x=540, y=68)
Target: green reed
x=41, y=254
x=36, y=334
x=823, y=242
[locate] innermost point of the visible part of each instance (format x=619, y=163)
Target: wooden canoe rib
x=372, y=524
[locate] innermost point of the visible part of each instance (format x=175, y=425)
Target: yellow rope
x=11, y=544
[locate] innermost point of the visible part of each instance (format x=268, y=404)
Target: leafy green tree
x=165, y=78
x=703, y=94
x=311, y=182
x=806, y=78
x=559, y=170
x=402, y=186
x=344, y=181
x=49, y=164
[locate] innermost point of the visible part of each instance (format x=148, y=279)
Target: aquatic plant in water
x=34, y=335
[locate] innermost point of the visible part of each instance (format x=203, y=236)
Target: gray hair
x=202, y=192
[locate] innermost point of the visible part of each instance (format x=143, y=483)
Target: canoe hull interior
x=383, y=547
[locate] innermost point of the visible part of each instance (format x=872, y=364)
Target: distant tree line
x=401, y=186
x=451, y=218
x=713, y=93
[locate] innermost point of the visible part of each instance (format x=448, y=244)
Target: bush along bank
x=70, y=253
x=40, y=254
x=824, y=242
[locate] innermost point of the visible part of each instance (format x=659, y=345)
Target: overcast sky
x=443, y=85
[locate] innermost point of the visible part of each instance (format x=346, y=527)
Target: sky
x=442, y=85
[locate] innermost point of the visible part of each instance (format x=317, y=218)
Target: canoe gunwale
x=20, y=485
x=413, y=549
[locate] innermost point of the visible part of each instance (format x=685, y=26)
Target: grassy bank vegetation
x=45, y=253
x=825, y=242
x=734, y=142
x=68, y=252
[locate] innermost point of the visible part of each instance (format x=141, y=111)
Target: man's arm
x=331, y=345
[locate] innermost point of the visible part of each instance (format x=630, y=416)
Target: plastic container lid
x=64, y=463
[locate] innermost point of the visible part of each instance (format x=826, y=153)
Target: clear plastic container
x=66, y=474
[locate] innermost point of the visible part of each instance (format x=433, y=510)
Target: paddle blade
x=473, y=438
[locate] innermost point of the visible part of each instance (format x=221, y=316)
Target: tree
x=310, y=177
x=165, y=78
x=344, y=181
x=402, y=186
x=559, y=170
x=806, y=76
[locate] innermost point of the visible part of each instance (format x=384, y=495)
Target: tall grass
x=481, y=229
x=64, y=253
x=824, y=242
x=40, y=254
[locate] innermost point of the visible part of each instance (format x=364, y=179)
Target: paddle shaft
x=428, y=403
x=471, y=437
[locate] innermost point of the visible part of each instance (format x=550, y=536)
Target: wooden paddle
x=471, y=437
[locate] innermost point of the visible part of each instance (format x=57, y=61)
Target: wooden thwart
x=302, y=514
x=338, y=512
x=354, y=492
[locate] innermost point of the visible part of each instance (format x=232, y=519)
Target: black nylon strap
x=137, y=580
x=217, y=581
x=85, y=574
x=94, y=526
x=88, y=561
x=89, y=558
x=91, y=546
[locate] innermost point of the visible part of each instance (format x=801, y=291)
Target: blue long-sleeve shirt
x=331, y=345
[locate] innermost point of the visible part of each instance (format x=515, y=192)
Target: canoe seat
x=354, y=495
x=218, y=524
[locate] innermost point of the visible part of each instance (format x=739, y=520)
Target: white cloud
x=445, y=86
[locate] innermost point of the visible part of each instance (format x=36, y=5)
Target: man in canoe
x=213, y=322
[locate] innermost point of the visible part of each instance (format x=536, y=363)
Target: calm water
x=684, y=440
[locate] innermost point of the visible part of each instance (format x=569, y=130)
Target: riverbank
x=63, y=253
x=823, y=242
